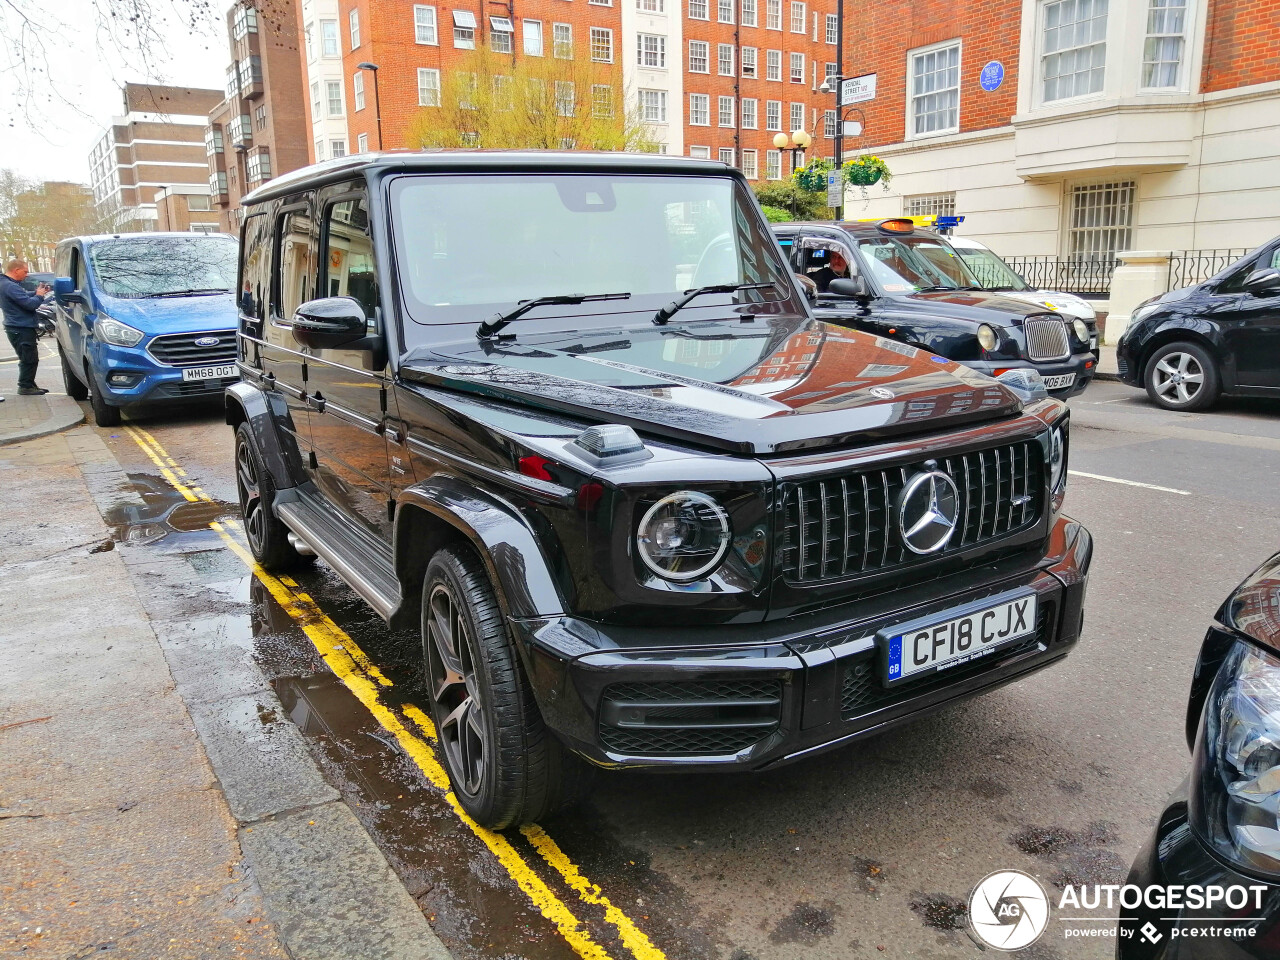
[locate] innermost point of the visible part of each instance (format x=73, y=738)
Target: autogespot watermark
x=1011, y=910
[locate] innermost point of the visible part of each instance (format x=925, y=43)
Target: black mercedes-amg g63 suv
x=572, y=416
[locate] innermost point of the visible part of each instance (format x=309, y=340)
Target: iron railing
x=1068, y=274
x=1187, y=267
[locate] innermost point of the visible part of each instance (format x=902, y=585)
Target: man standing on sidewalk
x=19, y=308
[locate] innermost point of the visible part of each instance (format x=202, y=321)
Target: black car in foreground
x=1221, y=830
x=906, y=283
x=571, y=416
x=1190, y=346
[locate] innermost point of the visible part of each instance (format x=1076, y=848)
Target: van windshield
x=470, y=245
x=141, y=267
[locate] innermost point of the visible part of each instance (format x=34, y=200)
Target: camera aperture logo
x=1008, y=910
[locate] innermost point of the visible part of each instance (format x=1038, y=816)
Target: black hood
x=763, y=386
x=980, y=306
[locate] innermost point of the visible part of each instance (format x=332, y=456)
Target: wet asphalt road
x=865, y=852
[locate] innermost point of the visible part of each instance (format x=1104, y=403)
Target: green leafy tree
x=800, y=204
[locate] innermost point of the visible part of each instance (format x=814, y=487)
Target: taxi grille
x=181, y=349
x=847, y=526
x=1046, y=339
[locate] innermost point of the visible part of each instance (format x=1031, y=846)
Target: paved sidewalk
x=25, y=418
x=1107, y=368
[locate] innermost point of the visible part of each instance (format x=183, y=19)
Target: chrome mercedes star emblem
x=927, y=511
x=884, y=393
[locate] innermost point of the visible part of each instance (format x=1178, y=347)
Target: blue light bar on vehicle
x=947, y=224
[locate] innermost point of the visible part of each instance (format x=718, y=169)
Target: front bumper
x=1127, y=363
x=1175, y=856
x=755, y=695
x=1083, y=365
x=129, y=375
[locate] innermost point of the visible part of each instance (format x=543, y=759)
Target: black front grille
x=689, y=718
x=181, y=349
x=863, y=692
x=1122, y=365
x=847, y=526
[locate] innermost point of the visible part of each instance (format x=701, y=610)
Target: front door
x=1252, y=329
x=76, y=319
x=823, y=259
x=350, y=388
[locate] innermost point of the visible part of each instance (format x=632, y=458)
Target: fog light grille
x=689, y=718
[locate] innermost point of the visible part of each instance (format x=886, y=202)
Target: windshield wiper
x=187, y=293
x=672, y=308
x=490, y=327
x=937, y=287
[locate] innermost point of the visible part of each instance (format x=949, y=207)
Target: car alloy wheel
x=455, y=690
x=250, y=491
x=1178, y=378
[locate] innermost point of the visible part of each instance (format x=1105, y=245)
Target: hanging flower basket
x=813, y=176
x=865, y=170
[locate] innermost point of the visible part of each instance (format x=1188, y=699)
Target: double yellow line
x=416, y=735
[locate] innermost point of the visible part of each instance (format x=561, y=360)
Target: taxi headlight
x=1081, y=329
x=987, y=336
x=684, y=536
x=1234, y=803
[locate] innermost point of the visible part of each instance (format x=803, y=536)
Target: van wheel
x=505, y=766
x=75, y=388
x=1182, y=376
x=267, y=535
x=104, y=414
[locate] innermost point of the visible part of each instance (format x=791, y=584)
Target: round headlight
x=683, y=536
x=987, y=337
x=1057, y=459
x=1081, y=329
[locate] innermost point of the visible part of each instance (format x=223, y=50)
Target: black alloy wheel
x=505, y=767
x=267, y=535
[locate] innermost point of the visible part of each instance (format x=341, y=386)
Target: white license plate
x=209, y=373
x=1060, y=382
x=946, y=640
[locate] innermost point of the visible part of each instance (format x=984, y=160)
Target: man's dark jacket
x=17, y=303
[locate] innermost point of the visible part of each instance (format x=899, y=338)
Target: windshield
x=909, y=264
x=156, y=266
x=468, y=246
x=991, y=272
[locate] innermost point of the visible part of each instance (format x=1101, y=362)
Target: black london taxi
x=903, y=282
x=571, y=416
x=1216, y=846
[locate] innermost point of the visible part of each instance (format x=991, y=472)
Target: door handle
x=393, y=430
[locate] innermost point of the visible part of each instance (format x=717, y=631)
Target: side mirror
x=855, y=288
x=1263, y=283
x=330, y=322
x=809, y=288
x=64, y=291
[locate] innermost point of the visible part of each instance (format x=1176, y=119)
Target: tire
x=1182, y=376
x=267, y=535
x=104, y=414
x=74, y=386
x=504, y=765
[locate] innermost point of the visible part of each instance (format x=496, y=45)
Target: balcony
x=249, y=72
x=257, y=167
x=218, y=187
x=213, y=141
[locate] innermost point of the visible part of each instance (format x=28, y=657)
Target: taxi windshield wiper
x=490, y=327
x=670, y=310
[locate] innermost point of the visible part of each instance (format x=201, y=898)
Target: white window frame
x=725, y=155
x=724, y=11
x=464, y=34
x=799, y=16
x=726, y=112
x=773, y=164
x=651, y=6
x=700, y=106
x=773, y=116
x=748, y=13
x=602, y=107
x=773, y=65
x=425, y=26
x=912, y=96
x=330, y=42
x=1165, y=7
x=357, y=91
x=317, y=103
x=700, y=153
x=829, y=124
x=794, y=75
x=724, y=60
x=930, y=205
x=1042, y=55
x=652, y=105
x=773, y=15
x=329, y=87
x=833, y=29
x=651, y=51
x=562, y=46
x=337, y=148
x=751, y=164
x=566, y=98
x=605, y=37
x=1081, y=238
x=426, y=87
x=796, y=117
x=749, y=63
x=699, y=53
x=362, y=143
x=699, y=9
x=353, y=28
x=749, y=117
x=502, y=27
x=531, y=49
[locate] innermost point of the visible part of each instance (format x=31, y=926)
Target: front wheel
x=267, y=535
x=504, y=765
x=1182, y=376
x=74, y=386
x=104, y=414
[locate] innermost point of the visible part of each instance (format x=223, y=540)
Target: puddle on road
x=165, y=513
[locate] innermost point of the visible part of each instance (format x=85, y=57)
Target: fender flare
x=245, y=403
x=506, y=544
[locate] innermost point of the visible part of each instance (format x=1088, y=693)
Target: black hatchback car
x=903, y=282
x=570, y=416
x=1221, y=830
x=1190, y=346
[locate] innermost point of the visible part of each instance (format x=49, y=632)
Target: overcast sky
x=52, y=137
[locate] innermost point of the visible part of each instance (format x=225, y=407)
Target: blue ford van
x=146, y=318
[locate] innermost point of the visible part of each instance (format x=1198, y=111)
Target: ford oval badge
x=207, y=341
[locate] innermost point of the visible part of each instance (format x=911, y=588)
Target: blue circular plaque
x=992, y=75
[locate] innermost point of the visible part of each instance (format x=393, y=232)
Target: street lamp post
x=377, y=101
x=796, y=144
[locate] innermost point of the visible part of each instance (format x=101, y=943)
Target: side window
x=349, y=266
x=295, y=258
x=77, y=271
x=1275, y=259
x=823, y=260
x=255, y=266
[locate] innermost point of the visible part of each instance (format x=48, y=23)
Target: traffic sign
x=857, y=89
